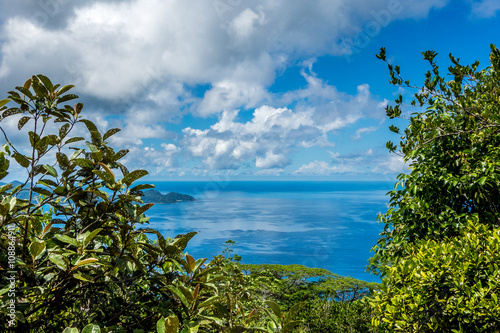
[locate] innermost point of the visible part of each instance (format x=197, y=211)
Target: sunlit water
x=329, y=225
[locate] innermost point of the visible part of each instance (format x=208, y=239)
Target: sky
x=241, y=89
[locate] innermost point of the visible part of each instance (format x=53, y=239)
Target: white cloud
x=391, y=164
x=356, y=163
x=112, y=49
x=272, y=160
x=317, y=168
x=141, y=56
x=485, y=8
x=273, y=134
x=156, y=161
x=363, y=130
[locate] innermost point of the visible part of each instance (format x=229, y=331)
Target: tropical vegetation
x=439, y=253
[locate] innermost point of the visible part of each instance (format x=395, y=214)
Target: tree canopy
x=438, y=251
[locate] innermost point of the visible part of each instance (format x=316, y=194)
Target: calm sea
x=330, y=225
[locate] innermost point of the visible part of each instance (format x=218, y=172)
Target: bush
x=448, y=286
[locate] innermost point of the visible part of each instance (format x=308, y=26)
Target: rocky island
x=153, y=196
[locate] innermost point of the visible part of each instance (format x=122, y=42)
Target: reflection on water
x=318, y=228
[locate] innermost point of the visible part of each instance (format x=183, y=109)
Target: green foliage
x=449, y=286
x=80, y=256
x=290, y=284
x=322, y=315
x=328, y=302
x=445, y=206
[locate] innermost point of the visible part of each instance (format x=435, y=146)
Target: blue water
x=330, y=225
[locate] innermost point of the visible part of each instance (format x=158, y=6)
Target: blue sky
x=241, y=89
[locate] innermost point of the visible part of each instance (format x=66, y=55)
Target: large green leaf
x=36, y=249
x=275, y=307
x=67, y=239
x=133, y=176
x=58, y=260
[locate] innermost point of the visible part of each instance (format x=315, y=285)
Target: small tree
x=437, y=252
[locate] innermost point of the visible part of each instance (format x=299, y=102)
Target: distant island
x=153, y=196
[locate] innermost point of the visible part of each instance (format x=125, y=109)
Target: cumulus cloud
x=155, y=160
x=139, y=61
x=272, y=134
x=112, y=48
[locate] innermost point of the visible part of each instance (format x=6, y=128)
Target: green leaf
x=142, y=209
x=4, y=101
x=75, y=139
x=83, y=277
x=209, y=301
x=191, y=262
x=110, y=132
x=120, y=154
x=42, y=191
x=161, y=240
x=63, y=130
x=87, y=261
x=46, y=182
x=105, y=176
x=133, y=176
x=179, y=295
x=91, y=328
x=66, y=239
x=36, y=249
x=22, y=122
x=294, y=310
x=181, y=241
x=91, y=236
x=67, y=97
x=58, y=260
x=64, y=89
x=168, y=325
x=10, y=112
x=21, y=160
x=45, y=80
x=83, y=163
x=63, y=160
x=70, y=330
x=288, y=327
x=275, y=307
x=92, y=148
x=50, y=169
x=160, y=325
x=141, y=187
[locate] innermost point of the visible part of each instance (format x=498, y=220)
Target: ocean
x=331, y=225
